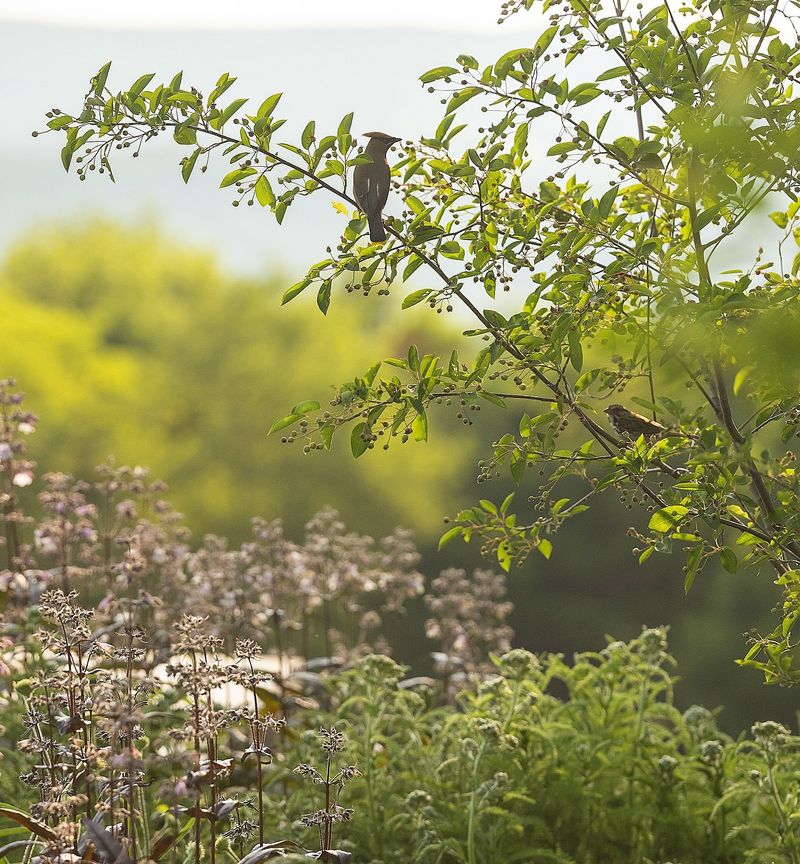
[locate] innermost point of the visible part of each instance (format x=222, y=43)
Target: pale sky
x=452, y=15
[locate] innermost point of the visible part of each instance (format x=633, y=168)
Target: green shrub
x=547, y=761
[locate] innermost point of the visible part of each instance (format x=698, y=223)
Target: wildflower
x=418, y=799
x=517, y=664
x=246, y=649
x=349, y=772
x=490, y=728
x=711, y=751
x=769, y=730
x=653, y=644
x=667, y=765
x=468, y=616
x=332, y=740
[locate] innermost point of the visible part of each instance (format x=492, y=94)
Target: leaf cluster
x=686, y=126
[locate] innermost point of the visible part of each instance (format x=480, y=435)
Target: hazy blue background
x=323, y=74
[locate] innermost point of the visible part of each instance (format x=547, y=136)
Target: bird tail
x=376, y=232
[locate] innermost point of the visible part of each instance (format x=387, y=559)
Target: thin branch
x=605, y=440
x=622, y=56
x=634, y=92
x=724, y=403
x=685, y=47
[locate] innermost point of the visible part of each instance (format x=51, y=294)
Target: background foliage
x=134, y=346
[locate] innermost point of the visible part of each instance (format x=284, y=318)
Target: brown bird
x=629, y=424
x=371, y=182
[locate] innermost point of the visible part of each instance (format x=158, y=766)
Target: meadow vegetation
x=164, y=703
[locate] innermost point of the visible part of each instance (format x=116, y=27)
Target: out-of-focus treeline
x=130, y=344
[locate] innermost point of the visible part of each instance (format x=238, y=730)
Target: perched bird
x=629, y=424
x=371, y=182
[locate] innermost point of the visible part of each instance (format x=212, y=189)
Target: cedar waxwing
x=371, y=182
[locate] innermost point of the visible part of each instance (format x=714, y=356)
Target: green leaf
x=343, y=137
x=607, y=202
x=413, y=358
x=693, y=560
x=306, y=407
x=291, y=293
x=234, y=176
x=517, y=466
x=780, y=218
x=705, y=217
x=561, y=148
x=184, y=134
x=307, y=138
x=358, y=445
x=66, y=156
x=616, y=72
x=437, y=73
x=741, y=376
x=414, y=262
x=326, y=434
x=505, y=64
x=324, y=297
x=545, y=548
x=100, y=79
x=584, y=94
x=460, y=97
x=492, y=398
x=139, y=84
x=449, y=535
x=188, y=165
x=419, y=427
x=264, y=194
x=224, y=82
x=226, y=115
x=452, y=249
x=63, y=120
x=729, y=560
x=415, y=297
x=504, y=555
x=268, y=106
x=182, y=97
x=288, y=420
x=521, y=139
x=575, y=350
x=543, y=42
x=668, y=518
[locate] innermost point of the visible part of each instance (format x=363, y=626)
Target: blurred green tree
x=131, y=345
